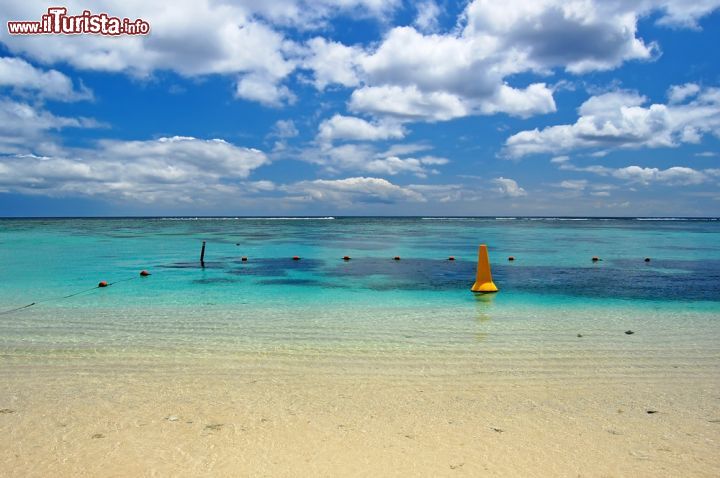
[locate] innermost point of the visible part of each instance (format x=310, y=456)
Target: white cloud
x=440, y=77
x=574, y=184
x=313, y=14
x=462, y=72
x=685, y=14
x=345, y=192
x=193, y=38
x=24, y=128
x=284, y=129
x=341, y=127
x=416, y=75
x=258, y=87
x=166, y=170
x=535, y=99
x=332, y=63
x=673, y=176
x=680, y=93
x=445, y=193
x=408, y=103
x=619, y=120
x=677, y=175
x=578, y=35
x=21, y=76
x=509, y=187
x=365, y=158
x=427, y=16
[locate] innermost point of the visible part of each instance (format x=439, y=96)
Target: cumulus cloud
x=440, y=77
x=313, y=14
x=684, y=14
x=24, y=127
x=673, y=176
x=427, y=16
x=341, y=127
x=193, y=38
x=619, y=119
x=574, y=184
x=444, y=193
x=677, y=175
x=21, y=76
x=509, y=187
x=332, y=63
x=261, y=88
x=284, y=129
x=172, y=169
x=579, y=36
x=679, y=93
x=408, y=103
x=465, y=71
x=417, y=75
x=368, y=159
x=345, y=192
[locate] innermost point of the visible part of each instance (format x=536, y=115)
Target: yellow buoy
x=483, y=280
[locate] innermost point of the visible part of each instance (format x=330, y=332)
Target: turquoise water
x=371, y=304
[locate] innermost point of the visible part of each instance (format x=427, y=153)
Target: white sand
x=274, y=416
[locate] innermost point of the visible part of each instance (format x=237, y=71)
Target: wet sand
x=243, y=416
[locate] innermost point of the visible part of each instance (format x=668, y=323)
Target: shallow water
x=552, y=290
x=362, y=368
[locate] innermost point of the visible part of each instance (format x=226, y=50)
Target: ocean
x=560, y=321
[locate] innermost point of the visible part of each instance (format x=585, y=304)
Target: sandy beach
x=266, y=417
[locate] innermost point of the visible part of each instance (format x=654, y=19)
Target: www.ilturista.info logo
x=58, y=22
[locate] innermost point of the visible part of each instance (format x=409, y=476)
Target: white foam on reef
x=454, y=218
x=328, y=218
x=559, y=219
x=675, y=219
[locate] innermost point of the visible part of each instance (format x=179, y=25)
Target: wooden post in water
x=202, y=255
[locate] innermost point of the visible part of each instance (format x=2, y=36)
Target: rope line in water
x=17, y=309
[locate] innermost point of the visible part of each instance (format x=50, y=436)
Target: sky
x=365, y=107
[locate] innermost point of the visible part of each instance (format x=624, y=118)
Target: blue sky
x=366, y=107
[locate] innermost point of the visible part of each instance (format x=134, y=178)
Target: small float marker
x=647, y=259
x=451, y=258
x=296, y=258
x=103, y=283
x=396, y=258
x=595, y=258
x=144, y=273
x=243, y=258
x=483, y=279
x=511, y=258
x=346, y=258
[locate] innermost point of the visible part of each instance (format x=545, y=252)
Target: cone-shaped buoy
x=396, y=258
x=346, y=258
x=451, y=258
x=296, y=258
x=647, y=259
x=144, y=273
x=483, y=280
x=103, y=283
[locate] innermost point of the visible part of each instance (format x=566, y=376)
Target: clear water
x=370, y=308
